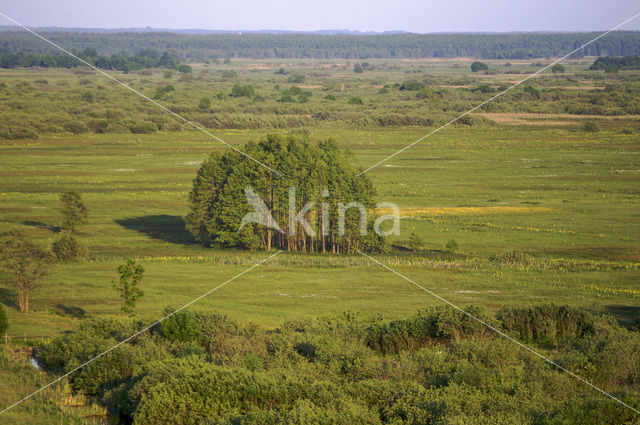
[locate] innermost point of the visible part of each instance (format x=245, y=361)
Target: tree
x=26, y=262
x=557, y=69
x=415, y=243
x=185, y=69
x=204, y=104
x=357, y=68
x=320, y=174
x=451, y=247
x=73, y=210
x=131, y=274
x=479, y=66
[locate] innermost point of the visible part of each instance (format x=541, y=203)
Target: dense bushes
x=438, y=366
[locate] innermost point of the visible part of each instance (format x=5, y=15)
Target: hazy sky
x=362, y=15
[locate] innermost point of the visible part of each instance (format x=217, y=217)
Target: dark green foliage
x=66, y=248
x=145, y=58
x=131, y=274
x=357, y=68
x=557, y=69
x=205, y=103
x=73, y=210
x=207, y=46
x=614, y=64
x=590, y=127
x=245, y=90
x=218, y=202
x=438, y=366
x=143, y=127
x=546, y=324
x=479, y=66
x=355, y=101
x=182, y=327
x=161, y=92
x=4, y=322
x=451, y=247
x=185, y=69
x=415, y=243
x=435, y=325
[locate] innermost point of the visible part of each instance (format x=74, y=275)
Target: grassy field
x=537, y=183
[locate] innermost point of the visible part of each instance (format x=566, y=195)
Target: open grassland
x=521, y=174
x=569, y=199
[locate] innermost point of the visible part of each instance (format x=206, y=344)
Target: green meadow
x=522, y=175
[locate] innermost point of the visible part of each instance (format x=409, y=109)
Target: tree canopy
x=318, y=173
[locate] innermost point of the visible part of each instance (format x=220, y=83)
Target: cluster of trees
x=145, y=58
x=610, y=64
x=436, y=366
x=320, y=174
x=202, y=47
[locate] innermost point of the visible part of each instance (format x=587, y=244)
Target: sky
x=299, y=15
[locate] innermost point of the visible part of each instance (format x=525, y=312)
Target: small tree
x=73, y=210
x=357, y=68
x=557, y=69
x=130, y=276
x=185, y=69
x=415, y=243
x=204, y=104
x=479, y=66
x=451, y=247
x=26, y=262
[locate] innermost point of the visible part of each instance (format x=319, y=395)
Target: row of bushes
x=437, y=366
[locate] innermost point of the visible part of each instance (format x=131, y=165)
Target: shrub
x=66, y=248
x=181, y=327
x=185, y=69
x=143, y=127
x=514, y=257
x=297, y=78
x=76, y=127
x=415, y=243
x=451, y=247
x=590, y=127
x=356, y=101
x=479, y=66
x=229, y=74
x=557, y=69
x=245, y=90
x=204, y=104
x=330, y=96
x=357, y=68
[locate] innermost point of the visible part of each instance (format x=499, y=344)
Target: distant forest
x=282, y=46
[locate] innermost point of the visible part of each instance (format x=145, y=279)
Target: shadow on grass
x=168, y=228
x=8, y=297
x=41, y=225
x=626, y=315
x=70, y=310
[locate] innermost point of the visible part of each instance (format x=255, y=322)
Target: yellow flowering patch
x=438, y=211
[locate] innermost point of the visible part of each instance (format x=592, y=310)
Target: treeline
x=145, y=58
x=201, y=47
x=319, y=174
x=437, y=366
x=616, y=64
